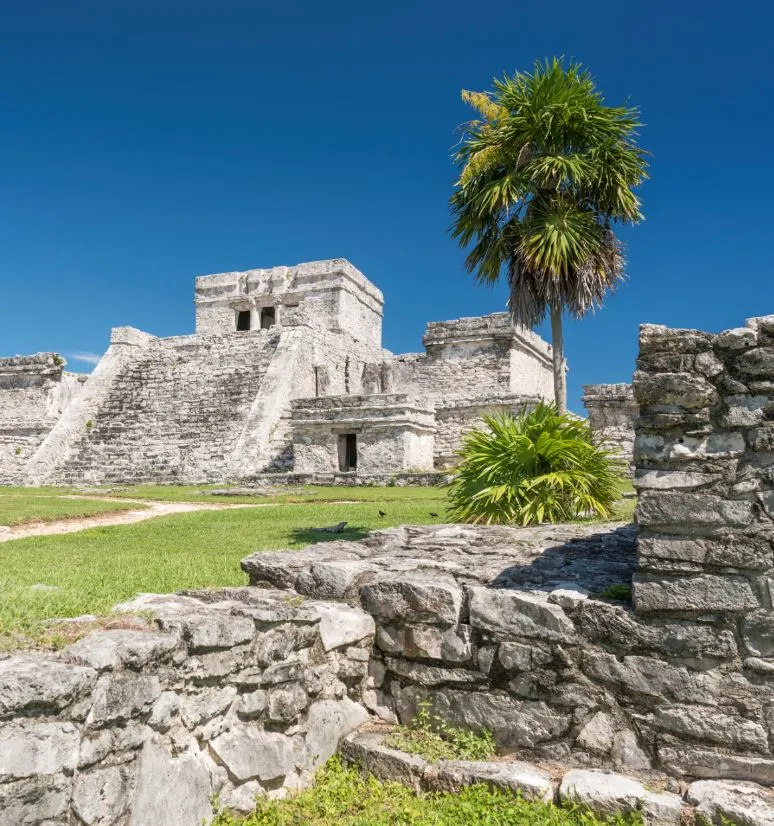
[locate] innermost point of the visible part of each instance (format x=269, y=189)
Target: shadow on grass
x=309, y=536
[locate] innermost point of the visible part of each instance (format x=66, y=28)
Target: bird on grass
x=382, y=513
x=433, y=513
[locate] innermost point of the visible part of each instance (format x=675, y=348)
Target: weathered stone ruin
x=34, y=391
x=612, y=411
x=286, y=371
x=529, y=632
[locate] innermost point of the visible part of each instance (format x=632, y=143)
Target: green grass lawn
x=308, y=493
x=19, y=506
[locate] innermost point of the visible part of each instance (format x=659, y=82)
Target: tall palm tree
x=545, y=173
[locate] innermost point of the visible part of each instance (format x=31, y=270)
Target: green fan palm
x=540, y=466
x=544, y=175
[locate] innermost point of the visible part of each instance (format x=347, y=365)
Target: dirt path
x=81, y=523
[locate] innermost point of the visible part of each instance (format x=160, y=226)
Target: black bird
x=433, y=513
x=382, y=513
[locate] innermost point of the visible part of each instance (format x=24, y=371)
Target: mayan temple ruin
x=286, y=372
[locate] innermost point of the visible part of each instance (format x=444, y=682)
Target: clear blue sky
x=145, y=143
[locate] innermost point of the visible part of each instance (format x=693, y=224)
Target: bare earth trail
x=151, y=510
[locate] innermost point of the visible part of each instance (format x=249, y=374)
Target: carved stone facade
x=219, y=404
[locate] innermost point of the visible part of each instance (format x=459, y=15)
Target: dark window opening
x=347, y=452
x=268, y=317
x=243, y=320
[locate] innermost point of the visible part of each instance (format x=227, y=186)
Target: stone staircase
x=182, y=420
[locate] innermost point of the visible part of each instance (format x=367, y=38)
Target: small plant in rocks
x=342, y=796
x=431, y=737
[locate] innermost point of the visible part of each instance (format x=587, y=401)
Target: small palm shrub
x=539, y=466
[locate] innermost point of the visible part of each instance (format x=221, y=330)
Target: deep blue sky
x=145, y=143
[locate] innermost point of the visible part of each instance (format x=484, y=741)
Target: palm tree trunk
x=560, y=366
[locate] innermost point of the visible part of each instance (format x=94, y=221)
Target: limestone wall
x=613, y=411
x=394, y=433
x=34, y=391
x=231, y=695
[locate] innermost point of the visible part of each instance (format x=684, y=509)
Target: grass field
x=89, y=571
x=48, y=577
x=19, y=507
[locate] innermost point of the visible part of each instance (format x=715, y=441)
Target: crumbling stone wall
x=613, y=411
x=35, y=390
x=234, y=693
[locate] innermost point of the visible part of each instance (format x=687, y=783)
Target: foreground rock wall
x=529, y=633
x=231, y=695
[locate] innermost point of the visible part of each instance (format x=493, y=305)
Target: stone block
x=328, y=723
x=698, y=510
x=757, y=362
x=102, y=796
x=431, y=675
x=714, y=727
x=740, y=338
x=514, y=723
x=121, y=696
x=703, y=593
x=342, y=625
x=30, y=748
x=171, y=789
x=717, y=801
x=520, y=614
x=250, y=754
x=597, y=735
x=523, y=779
x=429, y=642
x=758, y=634
x=604, y=793
x=685, y=390
x=649, y=680
x=335, y=579
x=688, y=760
x=655, y=338
x=435, y=600
x=113, y=649
x=39, y=801
x=367, y=751
x=286, y=702
x=28, y=681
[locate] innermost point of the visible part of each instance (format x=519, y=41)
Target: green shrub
x=536, y=467
x=433, y=738
x=344, y=797
x=619, y=591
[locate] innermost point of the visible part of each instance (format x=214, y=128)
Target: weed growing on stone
x=432, y=738
x=620, y=591
x=344, y=797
